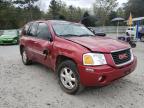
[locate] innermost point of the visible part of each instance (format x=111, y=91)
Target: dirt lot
x=36, y=87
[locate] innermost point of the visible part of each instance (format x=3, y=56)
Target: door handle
x=46, y=52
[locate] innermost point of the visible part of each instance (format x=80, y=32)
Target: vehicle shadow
x=9, y=44
x=122, y=86
x=122, y=93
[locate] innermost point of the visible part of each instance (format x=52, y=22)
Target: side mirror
x=23, y=32
x=50, y=39
x=100, y=34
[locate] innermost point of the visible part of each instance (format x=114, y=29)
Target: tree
x=7, y=14
x=59, y=10
x=15, y=13
x=120, y=12
x=54, y=9
x=15, y=16
x=87, y=20
x=112, y=15
x=136, y=7
x=27, y=4
x=103, y=8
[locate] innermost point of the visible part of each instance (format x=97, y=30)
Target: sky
x=77, y=3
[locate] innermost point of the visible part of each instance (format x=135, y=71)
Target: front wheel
x=68, y=77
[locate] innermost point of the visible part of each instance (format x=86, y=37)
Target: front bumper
x=104, y=75
x=7, y=42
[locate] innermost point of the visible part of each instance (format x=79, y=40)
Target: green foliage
x=103, y=8
x=88, y=20
x=25, y=3
x=54, y=8
x=12, y=17
x=136, y=7
x=58, y=9
x=15, y=13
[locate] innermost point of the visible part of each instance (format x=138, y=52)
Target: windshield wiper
x=86, y=35
x=68, y=35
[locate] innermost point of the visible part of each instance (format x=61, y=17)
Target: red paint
x=74, y=48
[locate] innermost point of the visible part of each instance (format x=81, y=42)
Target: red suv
x=79, y=57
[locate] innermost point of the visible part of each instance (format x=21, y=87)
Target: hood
x=7, y=36
x=99, y=44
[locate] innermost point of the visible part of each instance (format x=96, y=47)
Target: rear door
x=32, y=40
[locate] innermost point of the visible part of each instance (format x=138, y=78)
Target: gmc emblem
x=123, y=56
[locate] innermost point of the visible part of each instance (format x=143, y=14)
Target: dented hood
x=99, y=44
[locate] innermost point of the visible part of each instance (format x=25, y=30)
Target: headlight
x=94, y=59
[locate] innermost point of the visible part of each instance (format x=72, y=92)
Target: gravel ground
x=36, y=86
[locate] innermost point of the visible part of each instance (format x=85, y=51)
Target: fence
x=110, y=29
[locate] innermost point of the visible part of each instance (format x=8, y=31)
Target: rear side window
x=26, y=28
x=43, y=31
x=33, y=30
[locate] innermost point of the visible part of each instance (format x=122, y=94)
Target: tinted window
x=33, y=30
x=43, y=31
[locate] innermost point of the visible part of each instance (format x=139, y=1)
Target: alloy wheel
x=67, y=78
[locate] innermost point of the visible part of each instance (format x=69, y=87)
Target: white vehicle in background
x=131, y=31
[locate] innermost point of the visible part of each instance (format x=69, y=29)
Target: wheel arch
x=61, y=58
x=21, y=49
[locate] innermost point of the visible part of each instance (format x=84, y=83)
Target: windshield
x=9, y=32
x=71, y=29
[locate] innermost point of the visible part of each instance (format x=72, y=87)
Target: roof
x=138, y=19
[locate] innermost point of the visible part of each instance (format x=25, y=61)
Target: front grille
x=122, y=56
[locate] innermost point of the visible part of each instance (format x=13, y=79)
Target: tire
x=25, y=59
x=142, y=38
x=68, y=77
x=127, y=33
x=132, y=44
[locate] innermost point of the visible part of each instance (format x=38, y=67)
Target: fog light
x=101, y=78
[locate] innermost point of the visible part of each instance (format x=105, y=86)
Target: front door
x=43, y=44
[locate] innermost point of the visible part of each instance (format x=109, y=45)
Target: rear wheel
x=68, y=77
x=25, y=58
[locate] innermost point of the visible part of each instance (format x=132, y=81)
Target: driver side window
x=33, y=30
x=43, y=31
